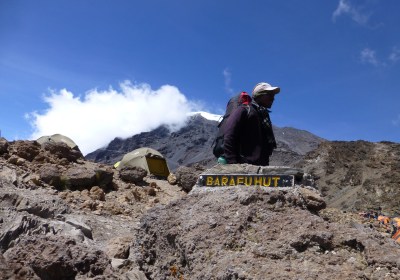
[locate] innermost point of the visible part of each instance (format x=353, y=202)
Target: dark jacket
x=248, y=136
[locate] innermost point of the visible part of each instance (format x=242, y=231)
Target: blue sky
x=95, y=69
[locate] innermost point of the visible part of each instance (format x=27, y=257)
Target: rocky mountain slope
x=357, y=175
x=63, y=217
x=193, y=144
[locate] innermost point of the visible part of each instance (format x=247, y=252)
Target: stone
x=135, y=274
x=119, y=247
x=87, y=230
x=187, y=177
x=59, y=257
x=119, y=263
x=3, y=146
x=312, y=198
x=26, y=149
x=79, y=178
x=51, y=175
x=8, y=175
x=97, y=193
x=62, y=150
x=132, y=174
x=151, y=191
x=104, y=177
x=172, y=179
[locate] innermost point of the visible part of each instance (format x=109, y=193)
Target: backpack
x=242, y=99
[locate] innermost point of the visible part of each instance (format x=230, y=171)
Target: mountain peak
x=206, y=115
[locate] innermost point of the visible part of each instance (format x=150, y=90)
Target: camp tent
x=57, y=138
x=146, y=158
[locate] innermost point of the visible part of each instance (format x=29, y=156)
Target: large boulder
x=51, y=174
x=62, y=150
x=58, y=257
x=79, y=177
x=132, y=174
x=3, y=145
x=187, y=176
x=257, y=233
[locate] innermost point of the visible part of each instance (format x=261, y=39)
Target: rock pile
x=62, y=217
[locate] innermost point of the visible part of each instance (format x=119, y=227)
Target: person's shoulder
x=238, y=114
x=240, y=108
x=243, y=110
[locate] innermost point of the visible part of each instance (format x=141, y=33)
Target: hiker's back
x=242, y=99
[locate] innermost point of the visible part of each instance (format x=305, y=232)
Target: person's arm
x=232, y=135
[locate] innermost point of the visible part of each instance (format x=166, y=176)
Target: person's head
x=264, y=94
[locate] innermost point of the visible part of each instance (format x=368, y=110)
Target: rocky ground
x=62, y=217
x=357, y=175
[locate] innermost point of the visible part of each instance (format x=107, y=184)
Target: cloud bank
x=356, y=14
x=95, y=119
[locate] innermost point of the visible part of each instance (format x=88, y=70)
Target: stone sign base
x=229, y=175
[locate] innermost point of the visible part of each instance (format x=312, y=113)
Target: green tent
x=57, y=138
x=146, y=158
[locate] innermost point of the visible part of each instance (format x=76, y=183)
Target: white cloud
x=100, y=116
x=394, y=55
x=356, y=14
x=228, y=80
x=369, y=56
x=343, y=8
x=396, y=122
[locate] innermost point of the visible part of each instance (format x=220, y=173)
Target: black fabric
x=242, y=99
x=248, y=136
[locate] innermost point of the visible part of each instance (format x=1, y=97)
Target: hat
x=264, y=88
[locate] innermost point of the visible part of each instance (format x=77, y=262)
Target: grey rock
x=58, y=257
x=79, y=178
x=119, y=247
x=132, y=174
x=27, y=150
x=51, y=175
x=8, y=175
x=186, y=177
x=119, y=263
x=3, y=145
x=135, y=274
x=62, y=150
x=104, y=177
x=20, y=225
x=87, y=231
x=42, y=208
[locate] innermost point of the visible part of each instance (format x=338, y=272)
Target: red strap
x=244, y=98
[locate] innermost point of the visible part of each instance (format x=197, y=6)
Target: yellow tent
x=146, y=158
